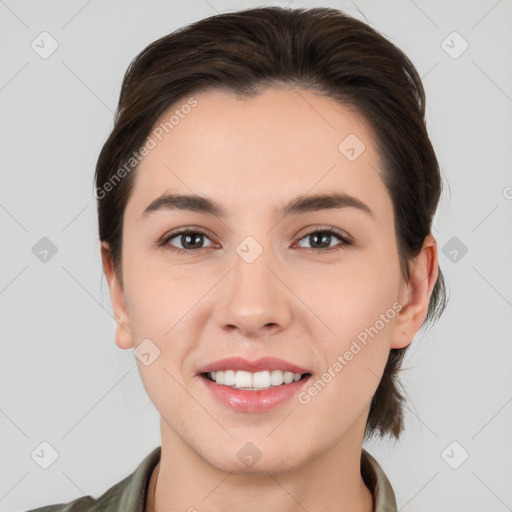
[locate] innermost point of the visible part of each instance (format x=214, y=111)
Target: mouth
x=257, y=381
x=264, y=373
x=252, y=393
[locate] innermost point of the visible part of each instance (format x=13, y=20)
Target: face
x=316, y=285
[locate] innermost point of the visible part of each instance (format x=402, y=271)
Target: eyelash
x=330, y=231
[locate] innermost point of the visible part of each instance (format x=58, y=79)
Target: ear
x=415, y=294
x=124, y=337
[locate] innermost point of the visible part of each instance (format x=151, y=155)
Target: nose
x=253, y=298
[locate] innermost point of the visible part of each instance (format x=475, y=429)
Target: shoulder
x=128, y=494
x=84, y=504
x=378, y=483
x=109, y=501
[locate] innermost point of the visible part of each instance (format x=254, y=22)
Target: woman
x=265, y=204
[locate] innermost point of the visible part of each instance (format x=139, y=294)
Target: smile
x=254, y=381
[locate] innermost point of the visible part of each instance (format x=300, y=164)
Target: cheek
x=159, y=312
x=359, y=305
x=354, y=357
x=158, y=295
x=163, y=304
x=352, y=297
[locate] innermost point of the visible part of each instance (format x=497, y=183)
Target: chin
x=251, y=460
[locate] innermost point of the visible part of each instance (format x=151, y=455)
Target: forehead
x=259, y=150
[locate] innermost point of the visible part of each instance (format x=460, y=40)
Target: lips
x=264, y=363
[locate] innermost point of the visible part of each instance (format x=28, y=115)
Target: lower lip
x=254, y=401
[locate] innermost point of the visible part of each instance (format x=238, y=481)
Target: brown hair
x=321, y=49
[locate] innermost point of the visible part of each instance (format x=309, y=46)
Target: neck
x=329, y=481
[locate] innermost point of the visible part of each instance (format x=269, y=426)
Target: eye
x=189, y=241
x=320, y=240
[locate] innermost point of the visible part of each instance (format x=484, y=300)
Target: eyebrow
x=299, y=205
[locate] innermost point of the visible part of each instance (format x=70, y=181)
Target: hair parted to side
x=320, y=49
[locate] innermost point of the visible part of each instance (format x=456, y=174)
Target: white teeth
x=242, y=379
x=229, y=378
x=288, y=377
x=277, y=378
x=259, y=380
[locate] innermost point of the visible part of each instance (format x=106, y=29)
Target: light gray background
x=63, y=379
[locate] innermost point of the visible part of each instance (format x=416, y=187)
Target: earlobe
x=124, y=337
x=416, y=294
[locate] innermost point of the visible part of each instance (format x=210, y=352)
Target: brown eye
x=188, y=241
x=321, y=240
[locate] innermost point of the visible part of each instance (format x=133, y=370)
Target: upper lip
x=264, y=363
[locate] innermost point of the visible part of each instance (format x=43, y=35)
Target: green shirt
x=129, y=495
